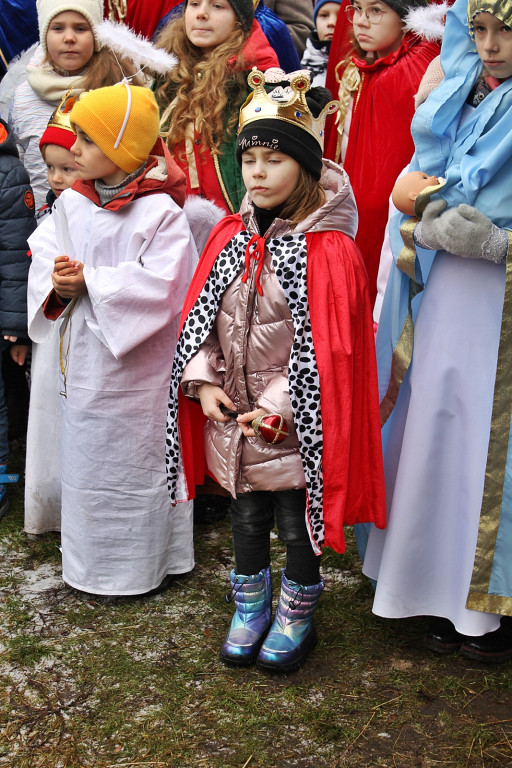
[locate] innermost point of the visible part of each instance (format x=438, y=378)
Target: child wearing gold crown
x=276, y=346
x=114, y=261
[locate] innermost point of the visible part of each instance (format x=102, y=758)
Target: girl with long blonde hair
x=216, y=42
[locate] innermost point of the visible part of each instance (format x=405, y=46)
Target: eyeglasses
x=374, y=14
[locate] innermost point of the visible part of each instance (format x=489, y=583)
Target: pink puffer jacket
x=248, y=352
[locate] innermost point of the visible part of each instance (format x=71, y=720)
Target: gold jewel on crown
x=286, y=104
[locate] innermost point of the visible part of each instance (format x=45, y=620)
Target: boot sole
x=495, y=657
x=306, y=647
x=238, y=662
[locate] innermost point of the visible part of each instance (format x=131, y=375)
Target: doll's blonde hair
x=202, y=88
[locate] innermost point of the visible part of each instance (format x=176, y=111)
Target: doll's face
x=377, y=27
x=269, y=176
x=407, y=189
x=208, y=23
x=493, y=41
x=326, y=20
x=70, y=41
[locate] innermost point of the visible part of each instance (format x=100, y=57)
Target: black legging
x=252, y=518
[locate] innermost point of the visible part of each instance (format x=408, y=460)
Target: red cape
x=353, y=476
x=143, y=16
x=380, y=144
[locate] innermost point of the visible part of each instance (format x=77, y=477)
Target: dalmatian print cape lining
x=289, y=258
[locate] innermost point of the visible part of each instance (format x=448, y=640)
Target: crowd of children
x=205, y=243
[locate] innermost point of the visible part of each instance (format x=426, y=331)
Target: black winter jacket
x=17, y=222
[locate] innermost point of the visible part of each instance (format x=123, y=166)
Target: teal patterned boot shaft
x=253, y=601
x=292, y=635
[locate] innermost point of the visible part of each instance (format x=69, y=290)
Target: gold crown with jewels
x=60, y=117
x=286, y=103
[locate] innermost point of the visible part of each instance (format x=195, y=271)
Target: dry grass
x=140, y=684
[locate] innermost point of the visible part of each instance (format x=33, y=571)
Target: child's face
x=62, y=170
x=209, y=23
x=70, y=41
x=377, y=27
x=326, y=20
x=269, y=176
x=92, y=163
x=494, y=44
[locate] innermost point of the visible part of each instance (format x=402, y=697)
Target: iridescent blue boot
x=292, y=635
x=5, y=478
x=253, y=601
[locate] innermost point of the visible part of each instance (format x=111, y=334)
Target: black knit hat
x=287, y=137
x=244, y=9
x=402, y=7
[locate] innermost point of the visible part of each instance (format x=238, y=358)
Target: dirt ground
x=139, y=683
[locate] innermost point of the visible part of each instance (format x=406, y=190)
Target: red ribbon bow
x=257, y=253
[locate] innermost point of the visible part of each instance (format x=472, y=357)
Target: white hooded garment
x=120, y=534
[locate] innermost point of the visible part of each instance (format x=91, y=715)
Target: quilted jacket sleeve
x=17, y=222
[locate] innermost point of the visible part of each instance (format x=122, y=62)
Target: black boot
x=493, y=647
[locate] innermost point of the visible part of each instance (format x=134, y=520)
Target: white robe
x=435, y=457
x=120, y=534
x=42, y=467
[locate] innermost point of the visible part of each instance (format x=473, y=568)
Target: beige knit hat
x=92, y=10
x=122, y=120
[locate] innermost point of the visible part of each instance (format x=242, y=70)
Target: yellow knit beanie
x=122, y=120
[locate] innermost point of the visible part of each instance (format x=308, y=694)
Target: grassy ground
x=139, y=683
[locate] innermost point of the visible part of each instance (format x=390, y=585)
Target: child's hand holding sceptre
x=68, y=278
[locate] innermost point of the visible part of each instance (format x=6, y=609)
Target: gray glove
x=463, y=231
x=427, y=233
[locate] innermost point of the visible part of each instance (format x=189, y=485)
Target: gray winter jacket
x=247, y=354
x=17, y=222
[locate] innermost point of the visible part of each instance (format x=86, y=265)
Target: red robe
x=142, y=16
x=340, y=313
x=380, y=145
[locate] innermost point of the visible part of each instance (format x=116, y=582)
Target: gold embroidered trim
x=479, y=598
x=117, y=10
x=221, y=183
x=350, y=82
x=406, y=263
x=4, y=60
x=193, y=175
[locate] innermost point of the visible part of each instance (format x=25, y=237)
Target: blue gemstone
x=298, y=114
x=257, y=109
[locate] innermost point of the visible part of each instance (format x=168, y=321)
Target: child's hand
x=244, y=421
x=68, y=278
x=19, y=353
x=210, y=396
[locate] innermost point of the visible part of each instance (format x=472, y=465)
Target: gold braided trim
x=350, y=82
x=4, y=61
x=117, y=10
x=478, y=598
x=193, y=175
x=402, y=356
x=222, y=186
